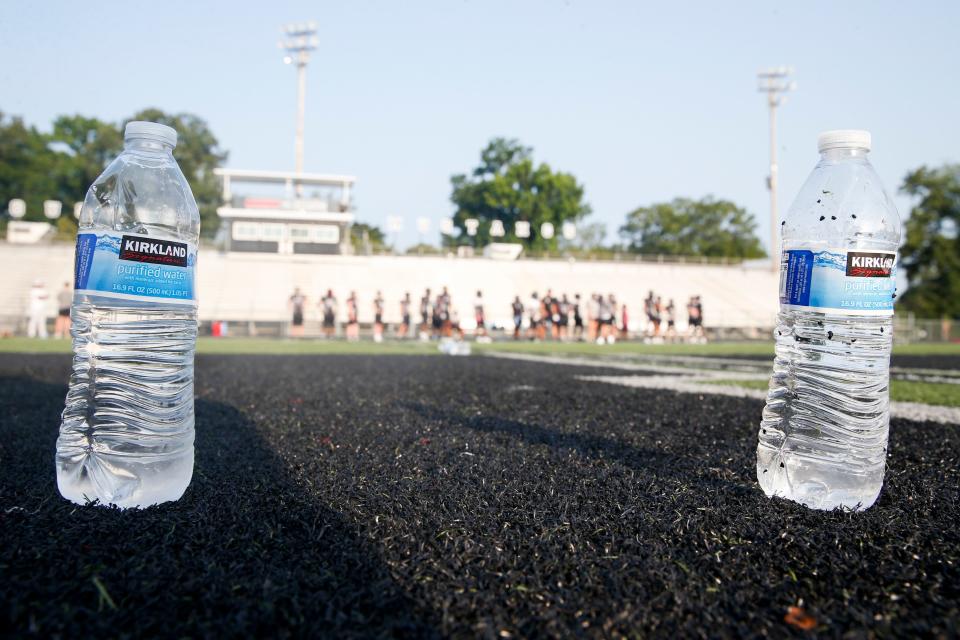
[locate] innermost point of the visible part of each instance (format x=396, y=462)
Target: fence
x=910, y=329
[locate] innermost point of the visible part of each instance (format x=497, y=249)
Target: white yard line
x=686, y=380
x=624, y=366
x=677, y=384
x=745, y=369
x=953, y=373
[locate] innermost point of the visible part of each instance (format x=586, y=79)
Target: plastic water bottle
x=453, y=347
x=126, y=436
x=823, y=437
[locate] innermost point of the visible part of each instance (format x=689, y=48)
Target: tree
x=423, y=249
x=366, y=238
x=63, y=164
x=931, y=253
x=28, y=167
x=84, y=147
x=707, y=227
x=590, y=237
x=509, y=187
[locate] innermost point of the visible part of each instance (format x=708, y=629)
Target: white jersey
x=594, y=309
x=38, y=300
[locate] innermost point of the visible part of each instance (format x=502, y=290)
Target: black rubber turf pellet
x=564, y=508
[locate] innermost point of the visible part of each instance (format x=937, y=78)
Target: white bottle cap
x=844, y=138
x=151, y=130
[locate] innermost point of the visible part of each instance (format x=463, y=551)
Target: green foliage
x=66, y=226
x=931, y=253
x=61, y=165
x=707, y=227
x=366, y=238
x=89, y=145
x=508, y=186
x=423, y=249
x=590, y=237
x=28, y=167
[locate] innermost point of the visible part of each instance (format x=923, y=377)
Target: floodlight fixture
x=300, y=40
x=775, y=82
x=52, y=209
x=17, y=208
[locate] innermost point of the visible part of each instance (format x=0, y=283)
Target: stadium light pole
x=774, y=82
x=300, y=40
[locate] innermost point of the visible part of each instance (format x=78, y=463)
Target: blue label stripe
x=799, y=270
x=86, y=244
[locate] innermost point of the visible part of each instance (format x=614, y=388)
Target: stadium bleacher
x=249, y=287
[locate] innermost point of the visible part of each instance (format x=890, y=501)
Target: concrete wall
x=244, y=286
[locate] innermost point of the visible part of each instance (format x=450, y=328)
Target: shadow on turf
x=656, y=461
x=246, y=552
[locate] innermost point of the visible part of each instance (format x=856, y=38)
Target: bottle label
x=135, y=267
x=839, y=281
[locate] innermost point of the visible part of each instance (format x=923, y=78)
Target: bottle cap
x=150, y=130
x=844, y=138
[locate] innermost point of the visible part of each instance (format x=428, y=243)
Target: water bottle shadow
x=247, y=550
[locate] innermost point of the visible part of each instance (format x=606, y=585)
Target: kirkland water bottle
x=127, y=432
x=823, y=437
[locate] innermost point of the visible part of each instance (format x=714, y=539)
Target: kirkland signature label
x=839, y=281
x=135, y=267
x=166, y=252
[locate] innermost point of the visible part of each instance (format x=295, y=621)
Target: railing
x=909, y=329
x=585, y=256
x=452, y=252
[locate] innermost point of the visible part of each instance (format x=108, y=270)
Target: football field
x=527, y=490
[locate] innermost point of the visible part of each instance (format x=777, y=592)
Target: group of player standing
x=600, y=319
x=438, y=316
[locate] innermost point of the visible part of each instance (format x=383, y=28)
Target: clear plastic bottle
x=823, y=436
x=126, y=436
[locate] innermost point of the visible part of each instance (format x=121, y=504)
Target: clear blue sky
x=641, y=101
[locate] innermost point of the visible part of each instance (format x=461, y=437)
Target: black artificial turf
x=430, y=496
